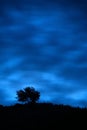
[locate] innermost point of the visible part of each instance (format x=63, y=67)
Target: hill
x=42, y=116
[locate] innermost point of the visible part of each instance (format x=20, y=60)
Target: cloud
x=43, y=43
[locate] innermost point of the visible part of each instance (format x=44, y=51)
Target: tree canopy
x=28, y=94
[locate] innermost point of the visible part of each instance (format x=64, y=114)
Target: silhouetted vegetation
x=28, y=94
x=32, y=115
x=42, y=116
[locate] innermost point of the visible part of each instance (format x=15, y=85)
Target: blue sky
x=44, y=44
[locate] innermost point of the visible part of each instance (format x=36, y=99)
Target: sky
x=43, y=43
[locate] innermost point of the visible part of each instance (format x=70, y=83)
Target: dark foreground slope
x=42, y=116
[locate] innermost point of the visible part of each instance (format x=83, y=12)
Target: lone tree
x=28, y=94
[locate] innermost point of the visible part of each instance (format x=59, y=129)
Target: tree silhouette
x=28, y=94
x=21, y=95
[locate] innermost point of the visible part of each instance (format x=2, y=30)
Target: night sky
x=43, y=43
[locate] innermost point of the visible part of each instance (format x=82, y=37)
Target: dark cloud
x=44, y=44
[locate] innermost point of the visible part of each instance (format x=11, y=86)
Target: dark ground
x=42, y=116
